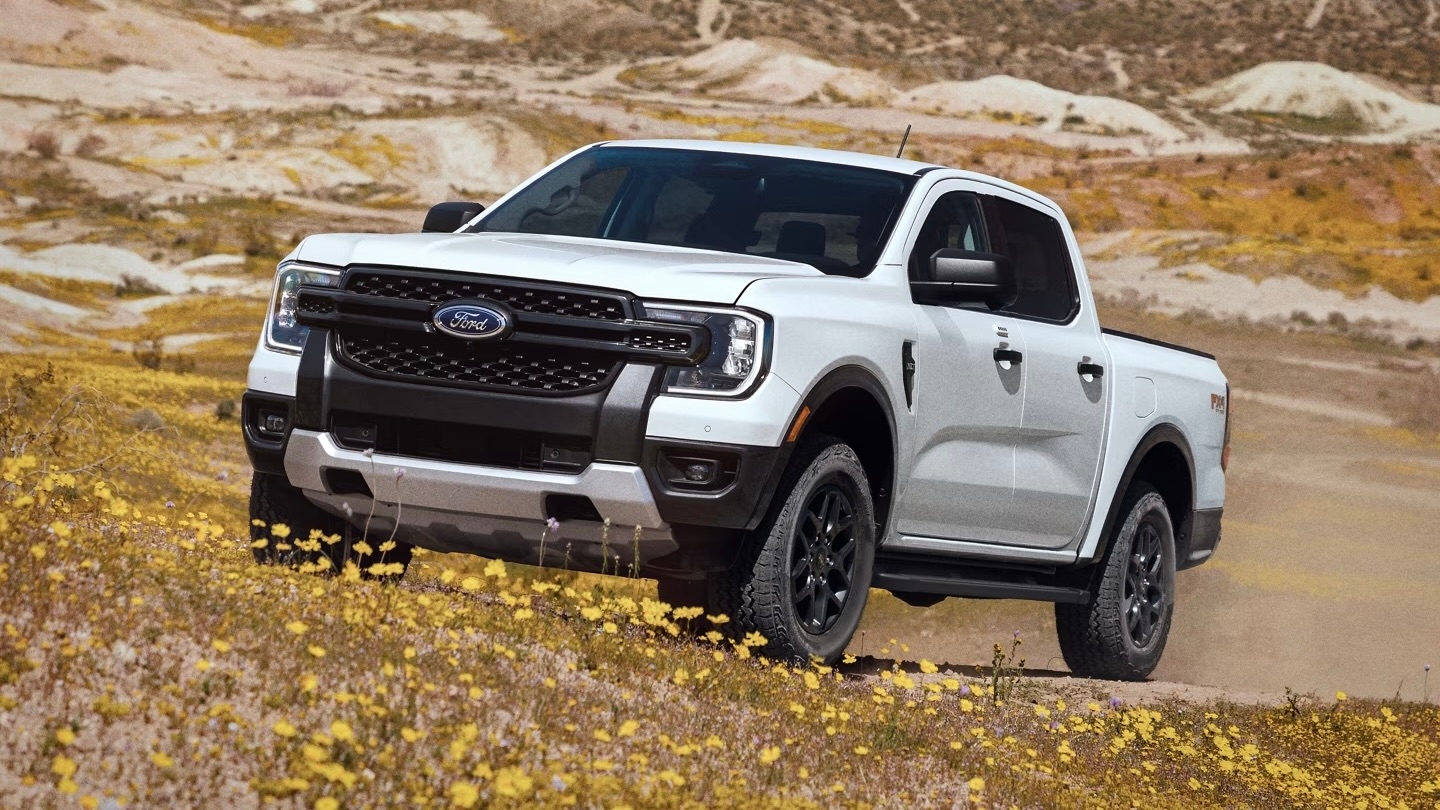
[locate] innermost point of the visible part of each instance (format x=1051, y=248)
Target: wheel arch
x=1163, y=460
x=848, y=403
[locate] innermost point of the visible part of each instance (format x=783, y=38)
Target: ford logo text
x=472, y=321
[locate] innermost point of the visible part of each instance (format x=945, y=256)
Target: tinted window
x=1036, y=247
x=575, y=208
x=835, y=218
x=953, y=222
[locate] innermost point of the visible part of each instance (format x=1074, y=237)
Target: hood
x=648, y=271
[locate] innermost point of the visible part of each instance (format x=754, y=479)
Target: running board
x=972, y=583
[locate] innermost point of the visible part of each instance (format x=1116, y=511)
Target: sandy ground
x=1329, y=571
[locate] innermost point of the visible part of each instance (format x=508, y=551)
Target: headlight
x=284, y=333
x=736, y=361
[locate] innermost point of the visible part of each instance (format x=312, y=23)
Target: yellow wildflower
x=463, y=794
x=63, y=766
x=512, y=782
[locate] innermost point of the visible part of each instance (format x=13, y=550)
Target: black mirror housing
x=968, y=277
x=447, y=217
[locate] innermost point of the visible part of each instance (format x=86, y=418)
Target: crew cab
x=770, y=377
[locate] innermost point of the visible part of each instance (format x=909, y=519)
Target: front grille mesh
x=510, y=366
x=568, y=303
x=319, y=306
x=659, y=341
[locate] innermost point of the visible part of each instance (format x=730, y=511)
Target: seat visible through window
x=802, y=238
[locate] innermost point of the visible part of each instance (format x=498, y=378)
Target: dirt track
x=1328, y=576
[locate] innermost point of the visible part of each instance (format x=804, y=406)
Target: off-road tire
x=1096, y=639
x=758, y=592
x=273, y=500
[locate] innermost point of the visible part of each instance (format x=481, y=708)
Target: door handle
x=1091, y=369
x=1008, y=356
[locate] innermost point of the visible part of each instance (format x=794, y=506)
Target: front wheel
x=1121, y=633
x=803, y=575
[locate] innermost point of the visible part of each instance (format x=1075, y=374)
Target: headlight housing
x=283, y=333
x=738, y=344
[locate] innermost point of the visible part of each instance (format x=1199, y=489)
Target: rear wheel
x=275, y=502
x=803, y=575
x=1121, y=633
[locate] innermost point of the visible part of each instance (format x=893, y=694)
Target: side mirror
x=447, y=217
x=967, y=277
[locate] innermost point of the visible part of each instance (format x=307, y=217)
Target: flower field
x=146, y=661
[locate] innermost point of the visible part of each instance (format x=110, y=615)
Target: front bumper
x=618, y=509
x=619, y=491
x=495, y=512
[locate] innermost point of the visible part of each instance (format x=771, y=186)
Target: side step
x=912, y=577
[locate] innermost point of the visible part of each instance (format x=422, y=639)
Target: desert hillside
x=1256, y=179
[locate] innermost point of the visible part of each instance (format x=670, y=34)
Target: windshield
x=834, y=218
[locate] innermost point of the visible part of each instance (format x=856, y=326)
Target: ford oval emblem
x=472, y=320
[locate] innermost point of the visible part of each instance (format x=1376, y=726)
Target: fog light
x=273, y=423
x=700, y=473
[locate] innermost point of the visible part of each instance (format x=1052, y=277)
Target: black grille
x=463, y=443
x=507, y=366
x=569, y=303
x=660, y=341
x=316, y=305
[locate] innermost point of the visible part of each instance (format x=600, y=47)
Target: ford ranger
x=772, y=378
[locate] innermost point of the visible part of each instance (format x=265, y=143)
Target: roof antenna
x=904, y=141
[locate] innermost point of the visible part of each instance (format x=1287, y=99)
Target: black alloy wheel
x=822, y=559
x=1145, y=598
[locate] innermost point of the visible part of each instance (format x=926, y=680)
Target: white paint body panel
x=1181, y=385
x=649, y=271
x=272, y=372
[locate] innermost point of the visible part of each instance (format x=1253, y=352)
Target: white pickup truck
x=770, y=377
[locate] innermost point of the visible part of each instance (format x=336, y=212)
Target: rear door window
x=1035, y=245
